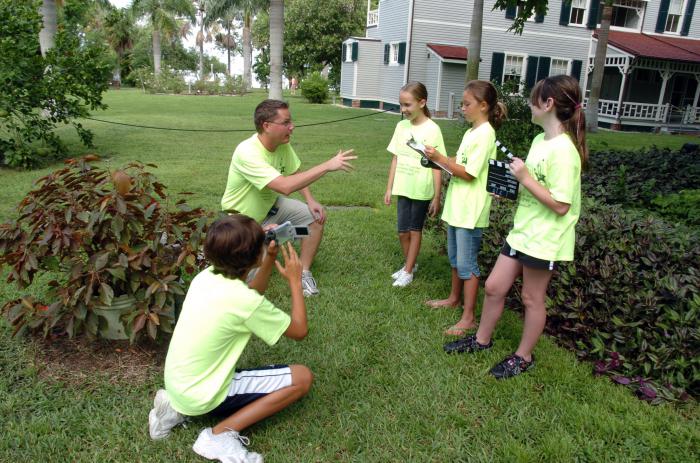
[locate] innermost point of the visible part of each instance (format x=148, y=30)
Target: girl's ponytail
x=483, y=90
x=566, y=94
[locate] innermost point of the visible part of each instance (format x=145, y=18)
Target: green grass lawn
x=384, y=390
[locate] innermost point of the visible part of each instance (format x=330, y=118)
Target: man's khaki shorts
x=291, y=210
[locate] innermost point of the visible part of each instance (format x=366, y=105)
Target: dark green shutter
x=402, y=52
x=539, y=18
x=344, y=53
x=355, y=47
x=565, y=14
x=543, y=68
x=387, y=49
x=531, y=73
x=593, y=15
x=576, y=69
x=510, y=11
x=497, y=62
x=687, y=17
x=663, y=14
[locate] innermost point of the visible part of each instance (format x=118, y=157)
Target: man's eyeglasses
x=285, y=123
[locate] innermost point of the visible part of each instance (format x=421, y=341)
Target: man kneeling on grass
x=218, y=316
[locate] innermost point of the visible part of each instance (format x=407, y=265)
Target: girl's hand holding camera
x=292, y=265
x=431, y=152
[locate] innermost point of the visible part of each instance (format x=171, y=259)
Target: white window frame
x=394, y=53
x=586, y=5
x=523, y=69
x=620, y=3
x=348, y=52
x=568, y=65
x=681, y=17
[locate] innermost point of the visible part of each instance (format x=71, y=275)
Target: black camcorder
x=286, y=232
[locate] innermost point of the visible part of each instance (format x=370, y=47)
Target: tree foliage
x=314, y=31
x=524, y=10
x=39, y=93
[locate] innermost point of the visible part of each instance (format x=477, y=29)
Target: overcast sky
x=209, y=49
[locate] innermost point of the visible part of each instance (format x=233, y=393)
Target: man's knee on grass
x=302, y=377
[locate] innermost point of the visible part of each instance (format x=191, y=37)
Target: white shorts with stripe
x=249, y=385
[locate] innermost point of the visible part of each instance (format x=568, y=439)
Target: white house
x=652, y=68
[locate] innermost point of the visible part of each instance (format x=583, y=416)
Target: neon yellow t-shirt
x=411, y=179
x=252, y=168
x=537, y=230
x=467, y=203
x=217, y=319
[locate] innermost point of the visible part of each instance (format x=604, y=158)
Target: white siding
x=452, y=82
x=369, y=54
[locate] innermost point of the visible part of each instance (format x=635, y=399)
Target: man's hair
x=266, y=111
x=233, y=245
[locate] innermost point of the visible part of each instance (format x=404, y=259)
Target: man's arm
x=314, y=206
x=287, y=185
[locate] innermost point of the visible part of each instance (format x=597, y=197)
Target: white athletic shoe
x=308, y=284
x=396, y=274
x=162, y=418
x=404, y=279
x=227, y=447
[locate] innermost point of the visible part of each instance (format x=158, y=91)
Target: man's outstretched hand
x=341, y=161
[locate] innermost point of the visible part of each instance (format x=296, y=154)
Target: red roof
x=449, y=51
x=656, y=46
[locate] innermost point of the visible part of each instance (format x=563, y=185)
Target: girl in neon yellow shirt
x=549, y=203
x=417, y=188
x=467, y=204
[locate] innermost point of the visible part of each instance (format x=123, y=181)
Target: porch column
x=694, y=109
x=625, y=71
x=666, y=75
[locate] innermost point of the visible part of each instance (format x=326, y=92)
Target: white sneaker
x=396, y=274
x=162, y=418
x=308, y=284
x=404, y=279
x=227, y=447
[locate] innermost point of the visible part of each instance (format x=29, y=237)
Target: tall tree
x=276, y=45
x=598, y=67
x=474, y=50
x=120, y=31
x=47, y=35
x=162, y=17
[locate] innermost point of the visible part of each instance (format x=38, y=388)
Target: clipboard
x=425, y=161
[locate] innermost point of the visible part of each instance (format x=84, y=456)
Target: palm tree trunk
x=47, y=35
x=474, y=51
x=598, y=68
x=276, y=45
x=228, y=46
x=156, y=51
x=247, y=52
x=200, y=43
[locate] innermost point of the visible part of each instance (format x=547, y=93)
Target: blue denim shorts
x=463, y=246
x=411, y=214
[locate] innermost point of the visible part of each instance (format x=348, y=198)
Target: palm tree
x=598, y=67
x=162, y=17
x=245, y=10
x=120, y=30
x=276, y=45
x=47, y=35
x=474, y=50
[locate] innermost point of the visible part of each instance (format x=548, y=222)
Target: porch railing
x=372, y=18
x=630, y=110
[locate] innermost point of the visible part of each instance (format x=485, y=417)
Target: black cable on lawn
x=231, y=130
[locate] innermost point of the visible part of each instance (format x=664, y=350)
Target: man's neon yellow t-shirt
x=252, y=168
x=411, y=179
x=537, y=230
x=467, y=203
x=217, y=319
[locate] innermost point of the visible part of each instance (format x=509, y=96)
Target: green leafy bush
x=635, y=178
x=683, y=206
x=630, y=300
x=168, y=81
x=39, y=93
x=315, y=88
x=120, y=251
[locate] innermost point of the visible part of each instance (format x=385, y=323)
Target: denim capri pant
x=463, y=246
